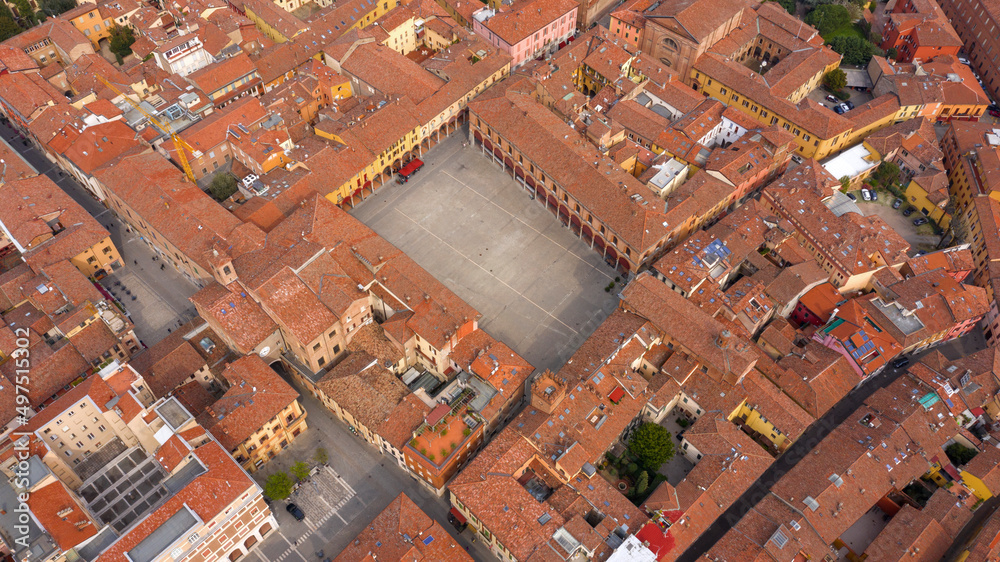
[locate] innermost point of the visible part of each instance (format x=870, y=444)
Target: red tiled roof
x=207, y=496
x=385, y=536
x=217, y=76
x=60, y=514
x=256, y=395
x=240, y=317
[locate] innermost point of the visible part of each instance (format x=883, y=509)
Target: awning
x=410, y=167
x=458, y=515
x=617, y=394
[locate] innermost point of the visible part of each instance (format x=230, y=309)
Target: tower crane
x=179, y=144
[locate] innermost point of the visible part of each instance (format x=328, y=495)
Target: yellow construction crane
x=179, y=145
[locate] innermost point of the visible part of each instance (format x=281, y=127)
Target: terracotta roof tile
x=256, y=395
x=403, y=532
x=207, y=496
x=58, y=512
x=240, y=317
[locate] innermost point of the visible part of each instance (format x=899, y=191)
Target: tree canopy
x=121, y=40
x=56, y=7
x=856, y=50
x=652, y=445
x=835, y=80
x=8, y=28
x=960, y=454
x=223, y=186
x=886, y=174
x=300, y=470
x=828, y=18
x=278, y=486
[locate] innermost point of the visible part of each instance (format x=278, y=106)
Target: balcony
x=446, y=430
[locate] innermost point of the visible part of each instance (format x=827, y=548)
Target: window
x=336, y=349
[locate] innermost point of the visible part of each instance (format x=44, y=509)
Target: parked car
x=839, y=109
x=852, y=197
x=874, y=194
x=897, y=203
x=845, y=107
x=994, y=112
x=920, y=221
x=866, y=195
x=849, y=104
x=296, y=511
x=908, y=211
x=796, y=158
x=831, y=98
x=900, y=362
x=963, y=60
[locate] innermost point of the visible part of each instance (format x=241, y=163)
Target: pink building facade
x=527, y=30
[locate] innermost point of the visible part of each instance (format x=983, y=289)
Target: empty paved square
x=539, y=288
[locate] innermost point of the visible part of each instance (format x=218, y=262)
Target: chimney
x=723, y=340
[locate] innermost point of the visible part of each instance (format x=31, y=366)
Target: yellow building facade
x=811, y=144
x=917, y=196
x=270, y=439
x=101, y=256
x=753, y=419
x=91, y=24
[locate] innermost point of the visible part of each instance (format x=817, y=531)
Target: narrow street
x=339, y=507
x=810, y=439
x=155, y=297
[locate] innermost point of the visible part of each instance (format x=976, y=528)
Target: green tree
x=886, y=174
x=892, y=53
x=121, y=40
x=835, y=80
x=278, y=486
x=856, y=50
x=788, y=5
x=300, y=470
x=829, y=18
x=652, y=445
x=223, y=186
x=643, y=484
x=321, y=456
x=960, y=454
x=56, y=7
x=25, y=12
x=8, y=28
x=845, y=182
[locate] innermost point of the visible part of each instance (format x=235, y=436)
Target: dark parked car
x=839, y=109
x=900, y=362
x=849, y=104
x=908, y=211
x=852, y=197
x=920, y=221
x=995, y=112
x=296, y=511
x=897, y=203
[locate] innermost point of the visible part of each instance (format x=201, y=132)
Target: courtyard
x=540, y=289
x=920, y=238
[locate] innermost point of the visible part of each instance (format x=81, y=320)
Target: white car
x=963, y=60
x=866, y=195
